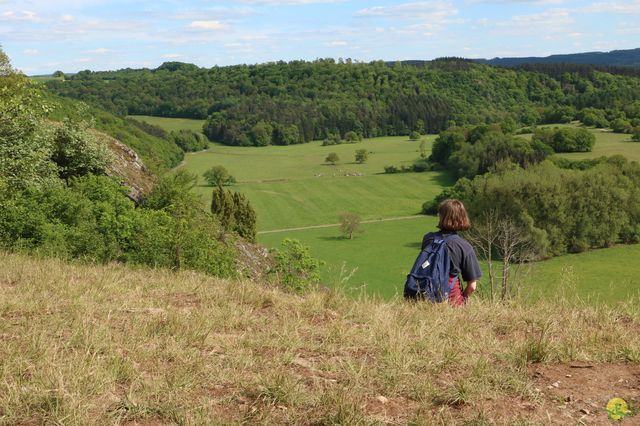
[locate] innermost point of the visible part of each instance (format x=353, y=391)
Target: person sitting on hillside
x=444, y=258
x=453, y=217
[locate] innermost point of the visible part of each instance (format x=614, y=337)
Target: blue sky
x=41, y=36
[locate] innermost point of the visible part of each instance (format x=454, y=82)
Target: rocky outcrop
x=127, y=167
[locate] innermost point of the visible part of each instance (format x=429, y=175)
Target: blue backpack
x=429, y=276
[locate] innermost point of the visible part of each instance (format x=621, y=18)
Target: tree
x=25, y=138
x=58, y=74
x=261, y=134
x=414, y=136
x=362, y=155
x=349, y=223
x=484, y=236
x=218, y=176
x=636, y=135
x=514, y=246
x=352, y=137
x=423, y=149
x=244, y=217
x=223, y=207
x=76, y=151
x=332, y=158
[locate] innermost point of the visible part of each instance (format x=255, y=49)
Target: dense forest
x=617, y=58
x=284, y=103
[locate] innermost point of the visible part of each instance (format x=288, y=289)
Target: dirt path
x=330, y=225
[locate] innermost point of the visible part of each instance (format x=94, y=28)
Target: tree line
x=284, y=103
x=560, y=207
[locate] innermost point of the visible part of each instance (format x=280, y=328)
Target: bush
x=361, y=156
x=566, y=139
x=294, y=267
x=219, y=176
x=414, y=136
x=620, y=125
x=352, y=137
x=332, y=158
x=189, y=141
x=76, y=152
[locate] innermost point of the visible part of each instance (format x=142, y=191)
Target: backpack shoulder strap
x=451, y=237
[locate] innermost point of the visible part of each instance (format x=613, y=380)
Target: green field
x=171, y=124
x=607, y=143
x=292, y=187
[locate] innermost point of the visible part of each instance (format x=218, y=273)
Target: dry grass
x=110, y=344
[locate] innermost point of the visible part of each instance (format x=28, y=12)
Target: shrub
x=361, y=156
x=566, y=139
x=294, y=267
x=76, y=152
x=219, y=176
x=332, y=158
x=188, y=140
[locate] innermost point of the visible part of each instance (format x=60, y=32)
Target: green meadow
x=607, y=143
x=292, y=187
x=171, y=124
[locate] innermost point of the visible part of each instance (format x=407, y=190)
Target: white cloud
x=171, y=56
x=614, y=7
x=23, y=16
x=31, y=52
x=207, y=25
x=548, y=23
x=337, y=43
x=98, y=51
x=424, y=10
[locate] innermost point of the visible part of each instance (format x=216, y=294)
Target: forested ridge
x=294, y=102
x=618, y=58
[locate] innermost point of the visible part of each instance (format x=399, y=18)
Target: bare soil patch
x=577, y=393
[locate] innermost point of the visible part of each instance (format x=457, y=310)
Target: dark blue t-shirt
x=464, y=261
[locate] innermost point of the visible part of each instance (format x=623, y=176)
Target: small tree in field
x=502, y=237
x=414, y=136
x=362, y=155
x=332, y=158
x=218, y=176
x=349, y=223
x=423, y=149
x=636, y=135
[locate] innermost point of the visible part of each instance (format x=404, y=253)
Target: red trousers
x=456, y=298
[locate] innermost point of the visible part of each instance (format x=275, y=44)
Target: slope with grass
x=113, y=345
x=172, y=124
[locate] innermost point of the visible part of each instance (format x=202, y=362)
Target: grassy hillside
x=112, y=345
x=172, y=124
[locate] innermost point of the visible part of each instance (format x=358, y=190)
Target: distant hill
x=615, y=58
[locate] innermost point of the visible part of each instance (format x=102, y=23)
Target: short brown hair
x=453, y=216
